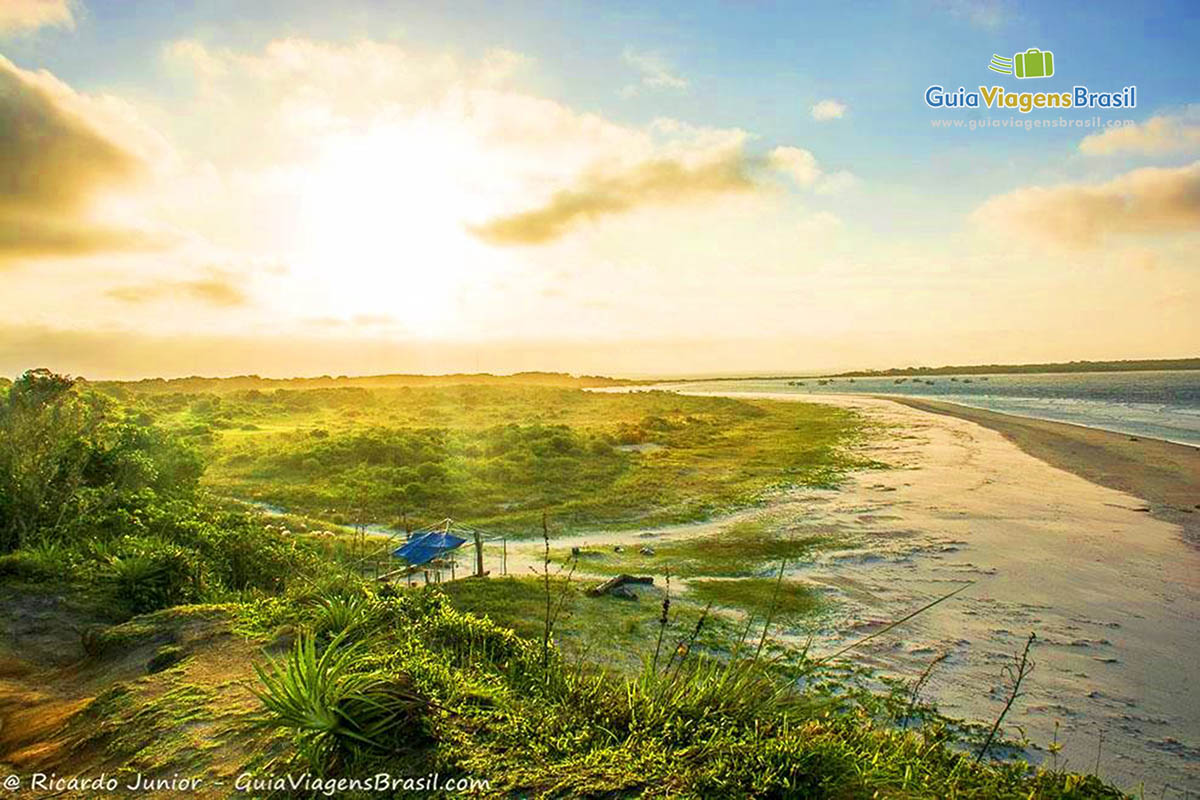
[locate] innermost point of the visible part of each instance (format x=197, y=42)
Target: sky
x=308, y=188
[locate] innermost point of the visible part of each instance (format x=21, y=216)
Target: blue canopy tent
x=425, y=547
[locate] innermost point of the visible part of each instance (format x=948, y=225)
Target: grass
x=745, y=549
x=794, y=603
x=701, y=727
x=414, y=683
x=605, y=629
x=499, y=455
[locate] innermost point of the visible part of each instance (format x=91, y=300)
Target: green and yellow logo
x=1033, y=63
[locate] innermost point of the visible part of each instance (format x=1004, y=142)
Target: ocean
x=1160, y=404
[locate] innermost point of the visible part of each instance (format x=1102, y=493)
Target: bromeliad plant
x=338, y=710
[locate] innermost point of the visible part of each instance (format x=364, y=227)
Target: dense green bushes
x=498, y=456
x=94, y=495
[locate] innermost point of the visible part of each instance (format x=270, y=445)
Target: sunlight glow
x=382, y=226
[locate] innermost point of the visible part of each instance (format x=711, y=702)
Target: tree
x=67, y=457
x=44, y=430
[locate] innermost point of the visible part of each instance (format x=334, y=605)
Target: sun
x=382, y=225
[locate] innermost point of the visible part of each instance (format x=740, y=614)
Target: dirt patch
x=165, y=693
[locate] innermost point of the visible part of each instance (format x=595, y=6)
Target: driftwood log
x=617, y=582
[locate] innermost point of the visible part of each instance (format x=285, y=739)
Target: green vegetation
x=793, y=602
x=1133, y=365
x=743, y=549
x=195, y=385
x=93, y=497
x=703, y=724
x=612, y=630
x=500, y=455
x=104, y=516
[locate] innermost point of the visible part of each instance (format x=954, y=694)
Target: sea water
x=1159, y=404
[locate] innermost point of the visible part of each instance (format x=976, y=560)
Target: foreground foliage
x=703, y=726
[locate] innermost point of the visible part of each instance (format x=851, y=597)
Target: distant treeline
x=1018, y=369
x=197, y=384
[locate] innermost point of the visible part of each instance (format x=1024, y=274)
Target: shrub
x=338, y=712
x=149, y=575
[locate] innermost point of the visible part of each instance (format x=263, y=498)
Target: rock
x=623, y=592
x=164, y=657
x=646, y=550
x=619, y=582
x=618, y=549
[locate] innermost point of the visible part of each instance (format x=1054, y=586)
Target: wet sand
x=1112, y=592
x=1164, y=474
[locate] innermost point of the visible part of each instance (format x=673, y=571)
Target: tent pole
x=478, y=555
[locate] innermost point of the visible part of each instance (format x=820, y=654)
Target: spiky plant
x=337, y=710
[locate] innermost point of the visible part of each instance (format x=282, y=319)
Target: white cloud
x=27, y=15
x=656, y=73
x=1148, y=201
x=828, y=109
x=801, y=166
x=1156, y=136
x=797, y=163
x=837, y=182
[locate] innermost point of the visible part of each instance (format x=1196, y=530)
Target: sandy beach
x=1111, y=589
x=1164, y=474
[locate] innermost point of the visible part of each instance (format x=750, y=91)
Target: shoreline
x=1166, y=475
x=1110, y=590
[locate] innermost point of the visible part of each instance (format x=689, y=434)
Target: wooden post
x=504, y=554
x=407, y=529
x=478, y=555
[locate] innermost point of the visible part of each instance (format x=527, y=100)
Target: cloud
x=656, y=73
x=802, y=167
x=27, y=15
x=657, y=181
x=828, y=109
x=61, y=151
x=1145, y=201
x=987, y=14
x=217, y=288
x=32, y=237
x=837, y=182
x=1156, y=136
x=796, y=162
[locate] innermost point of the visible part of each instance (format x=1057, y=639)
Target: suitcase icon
x=1034, y=63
